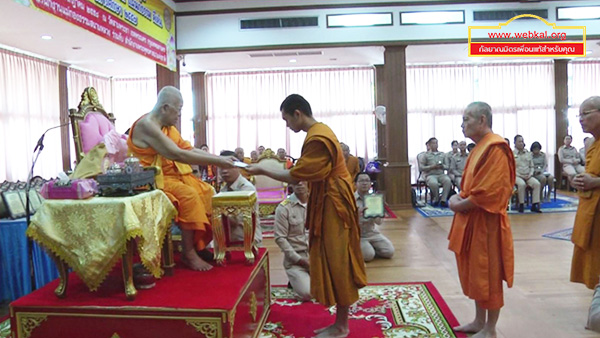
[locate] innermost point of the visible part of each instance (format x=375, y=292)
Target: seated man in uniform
x=234, y=181
x=433, y=164
x=372, y=242
x=154, y=139
x=525, y=171
x=292, y=237
x=457, y=163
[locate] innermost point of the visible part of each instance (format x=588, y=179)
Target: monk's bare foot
x=485, y=333
x=473, y=327
x=194, y=262
x=332, y=331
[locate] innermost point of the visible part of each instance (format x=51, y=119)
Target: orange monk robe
x=353, y=166
x=244, y=173
x=481, y=238
x=585, y=266
x=337, y=268
x=191, y=196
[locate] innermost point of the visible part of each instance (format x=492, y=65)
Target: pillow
x=92, y=130
x=116, y=145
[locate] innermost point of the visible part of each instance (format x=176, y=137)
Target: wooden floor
x=542, y=303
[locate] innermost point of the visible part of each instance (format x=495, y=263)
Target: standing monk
x=480, y=236
x=585, y=266
x=154, y=139
x=336, y=264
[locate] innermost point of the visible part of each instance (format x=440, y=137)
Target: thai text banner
x=540, y=39
x=143, y=26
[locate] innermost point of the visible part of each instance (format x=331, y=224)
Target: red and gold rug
x=387, y=310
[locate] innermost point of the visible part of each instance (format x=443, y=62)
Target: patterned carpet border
x=399, y=310
x=563, y=203
x=563, y=234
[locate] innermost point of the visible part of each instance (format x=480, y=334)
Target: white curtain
x=187, y=112
x=29, y=104
x=521, y=96
x=243, y=108
x=132, y=98
x=584, y=81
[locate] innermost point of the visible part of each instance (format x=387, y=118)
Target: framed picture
x=34, y=199
x=375, y=206
x=12, y=200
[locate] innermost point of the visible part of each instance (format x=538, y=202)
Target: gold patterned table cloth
x=91, y=235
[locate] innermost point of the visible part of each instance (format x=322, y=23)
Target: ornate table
x=234, y=203
x=91, y=235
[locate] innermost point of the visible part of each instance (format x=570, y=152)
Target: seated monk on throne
x=154, y=139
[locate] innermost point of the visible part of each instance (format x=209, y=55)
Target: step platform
x=225, y=302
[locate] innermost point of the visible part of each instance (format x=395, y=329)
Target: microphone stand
x=36, y=153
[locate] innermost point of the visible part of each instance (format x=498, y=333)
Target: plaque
x=16, y=207
x=374, y=205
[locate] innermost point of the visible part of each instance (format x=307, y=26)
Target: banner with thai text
x=143, y=26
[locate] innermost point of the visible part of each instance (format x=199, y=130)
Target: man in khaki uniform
x=457, y=163
x=234, y=181
x=449, y=156
x=292, y=237
x=433, y=164
x=372, y=242
x=525, y=170
x=569, y=158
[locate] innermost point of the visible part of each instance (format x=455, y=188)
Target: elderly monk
x=585, y=266
x=480, y=235
x=351, y=161
x=337, y=269
x=154, y=139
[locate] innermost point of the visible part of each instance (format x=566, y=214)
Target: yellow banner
x=145, y=26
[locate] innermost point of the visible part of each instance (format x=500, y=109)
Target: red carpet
x=188, y=302
x=387, y=310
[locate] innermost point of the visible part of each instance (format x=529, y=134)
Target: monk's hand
x=254, y=169
x=583, y=182
x=226, y=161
x=453, y=202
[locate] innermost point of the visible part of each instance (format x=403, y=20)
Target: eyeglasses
x=587, y=112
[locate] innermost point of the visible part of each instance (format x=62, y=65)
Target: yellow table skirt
x=91, y=235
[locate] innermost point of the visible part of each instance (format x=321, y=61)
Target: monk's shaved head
x=169, y=95
x=591, y=103
x=478, y=109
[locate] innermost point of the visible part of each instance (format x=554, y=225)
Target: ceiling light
x=432, y=18
x=46, y=37
x=578, y=13
x=359, y=20
x=293, y=60
x=76, y=48
x=110, y=60
x=588, y=52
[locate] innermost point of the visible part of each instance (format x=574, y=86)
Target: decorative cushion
x=93, y=129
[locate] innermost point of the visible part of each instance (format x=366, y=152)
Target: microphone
x=40, y=142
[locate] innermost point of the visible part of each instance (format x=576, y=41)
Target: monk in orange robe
x=351, y=161
x=337, y=268
x=585, y=266
x=480, y=236
x=154, y=139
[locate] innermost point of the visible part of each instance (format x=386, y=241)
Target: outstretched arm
x=277, y=174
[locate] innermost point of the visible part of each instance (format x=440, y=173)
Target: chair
x=270, y=192
x=90, y=123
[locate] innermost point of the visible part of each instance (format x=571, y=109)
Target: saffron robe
x=337, y=268
x=481, y=238
x=585, y=266
x=353, y=166
x=191, y=196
